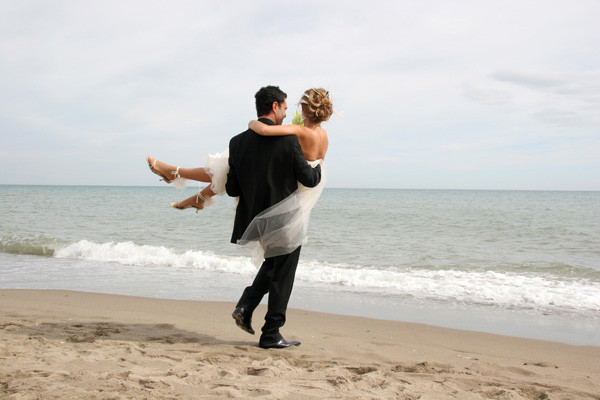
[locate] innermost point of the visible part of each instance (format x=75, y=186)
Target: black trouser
x=276, y=277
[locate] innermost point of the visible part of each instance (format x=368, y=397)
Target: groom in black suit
x=263, y=170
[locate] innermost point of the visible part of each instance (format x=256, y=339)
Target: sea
x=516, y=263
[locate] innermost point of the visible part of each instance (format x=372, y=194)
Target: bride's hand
x=254, y=125
x=257, y=127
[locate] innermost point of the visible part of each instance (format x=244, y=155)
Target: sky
x=428, y=94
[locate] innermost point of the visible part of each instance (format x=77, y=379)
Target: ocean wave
x=34, y=246
x=506, y=289
x=503, y=289
x=129, y=253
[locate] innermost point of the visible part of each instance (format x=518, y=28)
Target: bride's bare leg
x=164, y=169
x=195, y=174
x=196, y=201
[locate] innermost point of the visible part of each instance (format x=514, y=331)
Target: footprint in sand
x=105, y=330
x=257, y=371
x=542, y=364
x=361, y=370
x=164, y=326
x=422, y=368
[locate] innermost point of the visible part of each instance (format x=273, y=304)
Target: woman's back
x=314, y=144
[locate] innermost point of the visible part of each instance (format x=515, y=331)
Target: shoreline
x=192, y=284
x=87, y=344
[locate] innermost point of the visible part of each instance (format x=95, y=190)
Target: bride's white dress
x=281, y=228
x=217, y=166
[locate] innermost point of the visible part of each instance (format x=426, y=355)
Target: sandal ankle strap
x=200, y=196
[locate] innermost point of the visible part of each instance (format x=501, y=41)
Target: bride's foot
x=167, y=172
x=197, y=201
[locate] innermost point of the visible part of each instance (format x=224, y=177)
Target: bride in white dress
x=316, y=108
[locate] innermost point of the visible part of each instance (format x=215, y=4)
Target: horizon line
x=339, y=188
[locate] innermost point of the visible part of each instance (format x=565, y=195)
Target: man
x=263, y=170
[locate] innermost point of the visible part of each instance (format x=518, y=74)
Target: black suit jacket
x=263, y=170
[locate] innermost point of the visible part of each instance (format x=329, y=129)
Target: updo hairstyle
x=316, y=105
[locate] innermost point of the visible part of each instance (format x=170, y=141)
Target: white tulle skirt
x=283, y=227
x=217, y=166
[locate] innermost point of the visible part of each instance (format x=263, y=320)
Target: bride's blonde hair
x=316, y=105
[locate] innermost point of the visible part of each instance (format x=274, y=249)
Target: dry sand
x=72, y=345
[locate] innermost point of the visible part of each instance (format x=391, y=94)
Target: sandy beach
x=73, y=345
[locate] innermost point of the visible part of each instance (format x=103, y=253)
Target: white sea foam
x=508, y=290
x=128, y=253
x=500, y=289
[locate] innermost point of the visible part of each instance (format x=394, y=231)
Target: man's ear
x=274, y=106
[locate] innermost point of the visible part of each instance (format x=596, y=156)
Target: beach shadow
x=89, y=332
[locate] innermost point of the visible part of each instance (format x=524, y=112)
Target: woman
x=316, y=108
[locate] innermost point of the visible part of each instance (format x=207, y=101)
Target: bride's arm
x=277, y=130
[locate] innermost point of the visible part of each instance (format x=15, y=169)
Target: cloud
x=563, y=118
x=584, y=84
x=534, y=81
x=563, y=99
x=486, y=96
x=418, y=85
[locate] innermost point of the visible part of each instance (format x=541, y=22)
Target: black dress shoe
x=280, y=344
x=242, y=320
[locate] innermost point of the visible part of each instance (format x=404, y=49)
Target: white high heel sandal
x=198, y=208
x=164, y=178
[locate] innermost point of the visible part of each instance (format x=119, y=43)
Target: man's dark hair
x=265, y=98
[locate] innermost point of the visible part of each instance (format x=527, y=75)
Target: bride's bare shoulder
x=323, y=143
x=323, y=134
